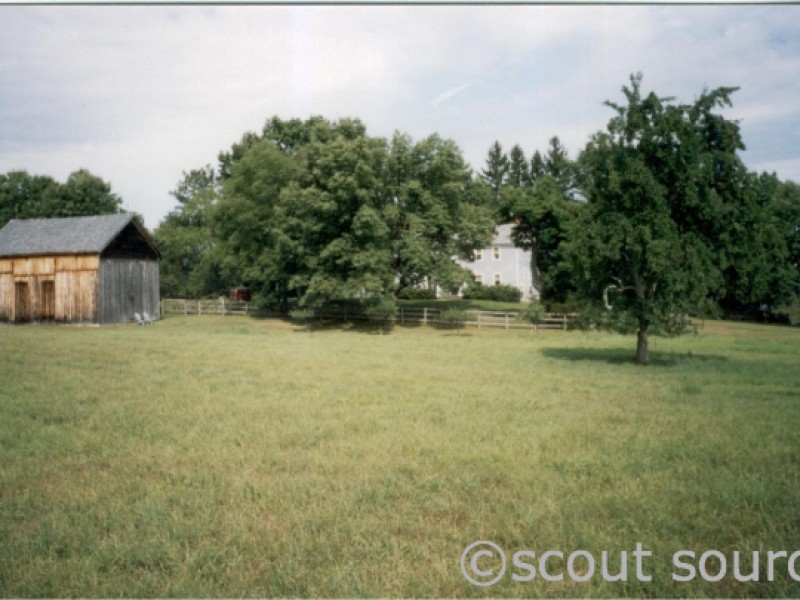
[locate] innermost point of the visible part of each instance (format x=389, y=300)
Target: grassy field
x=227, y=456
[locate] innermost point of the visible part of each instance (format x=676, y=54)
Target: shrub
x=454, y=316
x=533, y=313
x=384, y=309
x=498, y=293
x=414, y=293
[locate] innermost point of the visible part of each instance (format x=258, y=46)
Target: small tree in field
x=643, y=252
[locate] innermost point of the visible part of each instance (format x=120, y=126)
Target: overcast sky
x=139, y=94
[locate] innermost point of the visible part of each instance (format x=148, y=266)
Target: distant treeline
x=26, y=196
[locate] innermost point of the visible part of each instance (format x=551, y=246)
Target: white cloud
x=139, y=94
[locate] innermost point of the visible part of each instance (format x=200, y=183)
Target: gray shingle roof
x=72, y=235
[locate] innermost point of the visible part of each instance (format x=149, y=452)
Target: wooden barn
x=100, y=269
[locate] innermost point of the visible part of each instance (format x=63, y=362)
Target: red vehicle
x=240, y=294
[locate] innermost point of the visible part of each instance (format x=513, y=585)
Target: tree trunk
x=642, y=354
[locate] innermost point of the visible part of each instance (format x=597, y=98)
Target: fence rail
x=405, y=315
x=203, y=307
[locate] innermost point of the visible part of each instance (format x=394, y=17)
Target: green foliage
x=307, y=212
x=454, y=316
x=498, y=293
x=558, y=165
x=381, y=310
x=543, y=215
x=656, y=198
x=24, y=196
x=496, y=170
x=537, y=169
x=756, y=240
x=316, y=211
x=189, y=266
x=519, y=175
x=534, y=312
x=413, y=293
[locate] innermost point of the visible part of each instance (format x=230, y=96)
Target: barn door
x=22, y=302
x=48, y=300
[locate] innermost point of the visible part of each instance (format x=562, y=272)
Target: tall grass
x=213, y=456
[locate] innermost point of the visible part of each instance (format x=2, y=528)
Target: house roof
x=71, y=235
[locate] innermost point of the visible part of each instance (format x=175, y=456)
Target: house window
x=496, y=252
x=497, y=279
x=479, y=254
x=479, y=278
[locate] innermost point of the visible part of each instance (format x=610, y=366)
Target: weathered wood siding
x=76, y=296
x=6, y=289
x=127, y=286
x=63, y=288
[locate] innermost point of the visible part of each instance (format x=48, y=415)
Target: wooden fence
x=405, y=315
x=205, y=307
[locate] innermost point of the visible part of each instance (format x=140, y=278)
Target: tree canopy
x=25, y=196
x=657, y=218
x=670, y=222
x=314, y=211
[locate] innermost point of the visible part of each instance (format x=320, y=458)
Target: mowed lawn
x=228, y=456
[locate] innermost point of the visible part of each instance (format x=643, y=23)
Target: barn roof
x=71, y=235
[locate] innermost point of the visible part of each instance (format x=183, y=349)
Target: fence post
x=425, y=316
x=565, y=321
x=506, y=320
x=401, y=315
x=223, y=306
x=185, y=310
x=199, y=308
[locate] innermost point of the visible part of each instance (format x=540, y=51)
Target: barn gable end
x=97, y=269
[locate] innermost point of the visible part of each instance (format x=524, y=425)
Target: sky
x=139, y=94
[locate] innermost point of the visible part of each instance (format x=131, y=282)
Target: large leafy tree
x=185, y=238
x=542, y=217
x=85, y=194
x=755, y=241
x=25, y=196
x=435, y=211
x=260, y=232
x=646, y=245
x=314, y=211
x=785, y=210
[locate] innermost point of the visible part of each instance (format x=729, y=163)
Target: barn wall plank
x=44, y=265
x=65, y=263
x=23, y=266
x=87, y=263
x=76, y=296
x=127, y=287
x=6, y=296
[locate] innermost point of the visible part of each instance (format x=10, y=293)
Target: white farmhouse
x=503, y=263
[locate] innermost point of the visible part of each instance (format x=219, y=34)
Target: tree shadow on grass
x=626, y=356
x=321, y=325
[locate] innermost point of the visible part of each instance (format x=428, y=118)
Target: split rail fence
x=405, y=315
